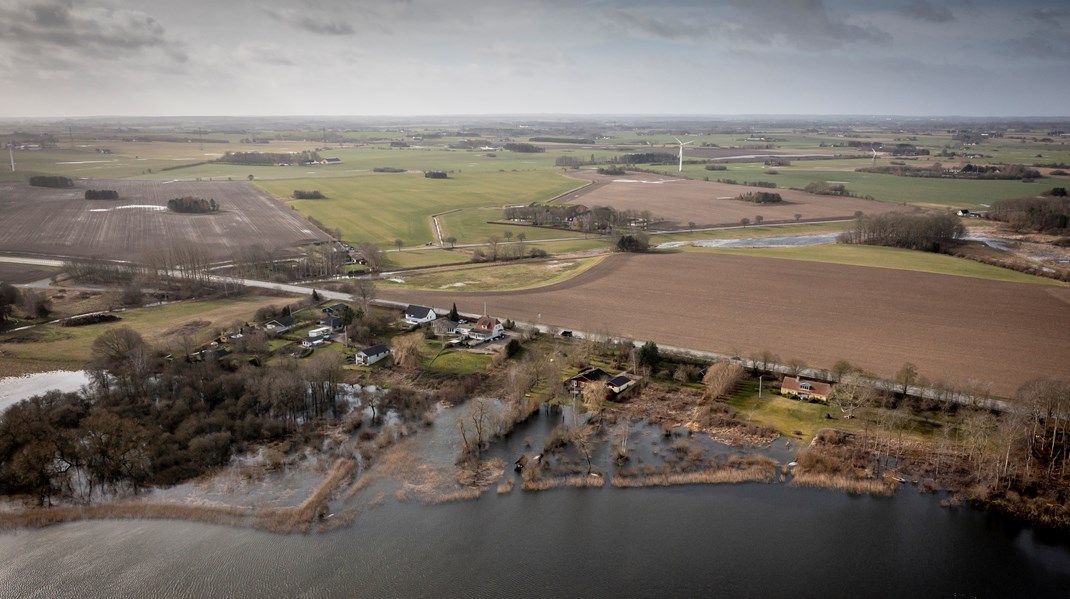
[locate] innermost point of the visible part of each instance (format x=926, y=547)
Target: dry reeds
x=847, y=484
x=506, y=486
x=545, y=484
x=753, y=474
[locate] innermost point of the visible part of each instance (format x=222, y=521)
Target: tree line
x=969, y=171
x=524, y=148
x=301, y=194
x=33, y=304
x=268, y=158
x=926, y=232
x=1045, y=214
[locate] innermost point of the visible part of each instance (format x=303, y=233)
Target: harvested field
x=956, y=329
x=24, y=273
x=59, y=222
x=680, y=201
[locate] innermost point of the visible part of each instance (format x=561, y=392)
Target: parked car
x=566, y=333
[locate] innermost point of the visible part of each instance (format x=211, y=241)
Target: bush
x=194, y=205
x=761, y=197
x=88, y=319
x=300, y=194
x=611, y=170
x=716, y=167
x=388, y=169
x=436, y=175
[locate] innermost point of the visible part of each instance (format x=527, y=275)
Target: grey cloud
x=923, y=10
x=1040, y=45
x=806, y=23
x=98, y=31
x=659, y=26
x=1048, y=16
x=326, y=25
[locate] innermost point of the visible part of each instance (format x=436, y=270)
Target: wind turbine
x=682, y=144
x=11, y=152
x=874, y=150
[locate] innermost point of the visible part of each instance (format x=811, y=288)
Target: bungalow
x=314, y=342
x=805, y=389
x=371, y=355
x=280, y=325
x=419, y=314
x=487, y=329
x=619, y=384
x=335, y=309
x=445, y=326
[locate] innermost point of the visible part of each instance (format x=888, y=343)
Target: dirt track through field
x=59, y=222
x=708, y=203
x=956, y=329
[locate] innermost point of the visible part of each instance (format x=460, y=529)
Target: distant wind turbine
x=11, y=152
x=874, y=150
x=682, y=144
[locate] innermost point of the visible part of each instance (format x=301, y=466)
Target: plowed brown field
x=707, y=203
x=956, y=329
x=59, y=222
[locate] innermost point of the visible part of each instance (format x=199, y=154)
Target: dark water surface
x=727, y=541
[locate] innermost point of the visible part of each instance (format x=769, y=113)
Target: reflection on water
x=786, y=241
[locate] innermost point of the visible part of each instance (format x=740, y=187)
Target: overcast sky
x=437, y=57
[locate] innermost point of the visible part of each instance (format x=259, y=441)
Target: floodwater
x=14, y=389
x=750, y=540
x=767, y=242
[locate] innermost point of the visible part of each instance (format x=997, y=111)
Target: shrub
x=191, y=204
x=388, y=169
x=101, y=194
x=49, y=181
x=300, y=194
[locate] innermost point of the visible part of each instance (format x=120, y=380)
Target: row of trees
x=926, y=232
x=761, y=197
x=51, y=181
x=101, y=194
x=190, y=204
x=969, y=171
x=301, y=194
x=268, y=158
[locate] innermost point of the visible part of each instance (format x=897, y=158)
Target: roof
x=414, y=311
x=591, y=374
x=486, y=323
x=619, y=381
x=332, y=321
x=795, y=385
x=285, y=321
x=374, y=350
x=335, y=308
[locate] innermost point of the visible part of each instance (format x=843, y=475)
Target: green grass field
x=382, y=208
x=494, y=277
x=882, y=257
x=51, y=347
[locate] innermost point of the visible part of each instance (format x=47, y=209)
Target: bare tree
x=906, y=376
x=720, y=379
x=372, y=255
x=851, y=393
x=406, y=350
x=365, y=292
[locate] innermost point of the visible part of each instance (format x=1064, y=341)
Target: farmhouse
x=419, y=314
x=591, y=375
x=280, y=325
x=805, y=389
x=487, y=329
x=371, y=355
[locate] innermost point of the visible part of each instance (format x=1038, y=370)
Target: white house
x=371, y=355
x=319, y=333
x=486, y=329
x=419, y=314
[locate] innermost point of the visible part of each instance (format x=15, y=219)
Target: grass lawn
x=383, y=208
x=452, y=361
x=882, y=257
x=495, y=277
x=51, y=347
x=472, y=226
x=394, y=260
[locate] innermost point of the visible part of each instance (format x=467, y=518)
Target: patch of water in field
x=14, y=389
x=768, y=242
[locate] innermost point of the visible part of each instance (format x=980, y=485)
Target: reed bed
x=578, y=481
x=847, y=484
x=755, y=474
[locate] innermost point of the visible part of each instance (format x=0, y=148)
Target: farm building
x=280, y=325
x=486, y=329
x=371, y=355
x=419, y=314
x=805, y=389
x=619, y=384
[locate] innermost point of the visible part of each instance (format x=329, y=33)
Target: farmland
x=58, y=222
x=381, y=208
x=957, y=329
x=680, y=201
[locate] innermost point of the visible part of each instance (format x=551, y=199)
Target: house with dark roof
x=371, y=355
x=591, y=375
x=419, y=314
x=335, y=309
x=280, y=325
x=805, y=389
x=332, y=322
x=619, y=384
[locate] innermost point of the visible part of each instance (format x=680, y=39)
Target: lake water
x=734, y=541
x=14, y=389
x=786, y=241
x=750, y=540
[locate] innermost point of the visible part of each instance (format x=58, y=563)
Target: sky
x=62, y=58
